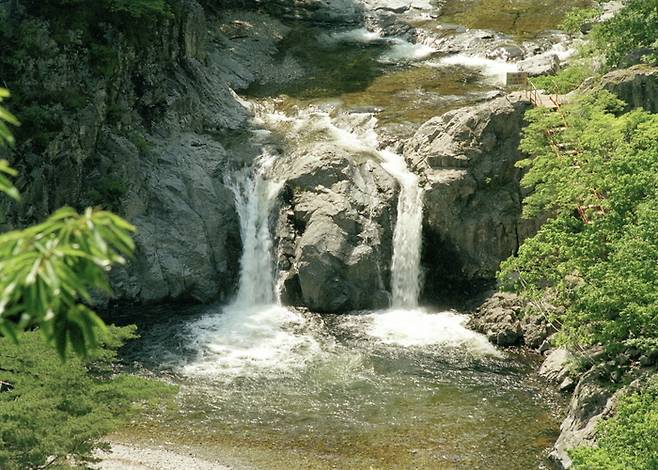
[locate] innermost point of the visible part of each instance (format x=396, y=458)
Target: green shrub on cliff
x=54, y=414
x=565, y=81
x=594, y=172
x=577, y=17
x=634, y=27
x=132, y=8
x=628, y=440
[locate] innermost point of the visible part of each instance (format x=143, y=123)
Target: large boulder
x=508, y=320
x=336, y=230
x=466, y=159
x=637, y=86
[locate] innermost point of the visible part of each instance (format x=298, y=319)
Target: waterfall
x=357, y=134
x=254, y=332
x=407, y=237
x=254, y=198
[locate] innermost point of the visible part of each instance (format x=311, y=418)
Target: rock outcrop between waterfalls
x=467, y=160
x=335, y=230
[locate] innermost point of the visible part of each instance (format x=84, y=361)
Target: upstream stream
x=264, y=386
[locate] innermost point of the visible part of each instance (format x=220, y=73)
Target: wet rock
x=557, y=365
x=567, y=384
x=536, y=329
x=467, y=160
x=548, y=64
x=343, y=216
x=508, y=320
x=499, y=318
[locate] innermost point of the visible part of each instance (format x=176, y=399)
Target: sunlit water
x=268, y=387
x=399, y=389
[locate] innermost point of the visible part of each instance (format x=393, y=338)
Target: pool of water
x=398, y=389
x=404, y=83
x=521, y=18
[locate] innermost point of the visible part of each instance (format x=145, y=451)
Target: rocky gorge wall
x=153, y=133
x=145, y=138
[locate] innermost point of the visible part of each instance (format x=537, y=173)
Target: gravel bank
x=132, y=457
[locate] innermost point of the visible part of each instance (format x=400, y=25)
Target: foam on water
x=253, y=333
x=359, y=35
x=399, y=50
x=417, y=327
x=494, y=69
x=405, y=51
x=244, y=340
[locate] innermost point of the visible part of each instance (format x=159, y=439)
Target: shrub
x=565, y=81
x=56, y=413
x=628, y=440
x=577, y=17
x=634, y=27
x=594, y=171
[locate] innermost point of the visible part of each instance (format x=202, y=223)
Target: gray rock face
x=506, y=320
x=556, y=366
x=336, y=230
x=637, y=86
x=148, y=144
x=540, y=65
x=592, y=401
x=473, y=200
x=188, y=230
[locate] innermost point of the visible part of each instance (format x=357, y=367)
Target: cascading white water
x=254, y=331
x=255, y=334
x=361, y=137
x=406, y=279
x=254, y=198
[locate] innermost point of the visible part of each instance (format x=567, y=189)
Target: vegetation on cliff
x=55, y=409
x=629, y=439
x=591, y=170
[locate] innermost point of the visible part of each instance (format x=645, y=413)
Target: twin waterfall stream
x=264, y=386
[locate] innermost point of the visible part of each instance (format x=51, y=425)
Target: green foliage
x=565, y=81
x=594, y=171
x=6, y=137
x=577, y=17
x=139, y=8
x=634, y=27
x=108, y=192
x=628, y=440
x=50, y=271
x=56, y=414
x=139, y=141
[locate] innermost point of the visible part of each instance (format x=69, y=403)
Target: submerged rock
x=338, y=222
